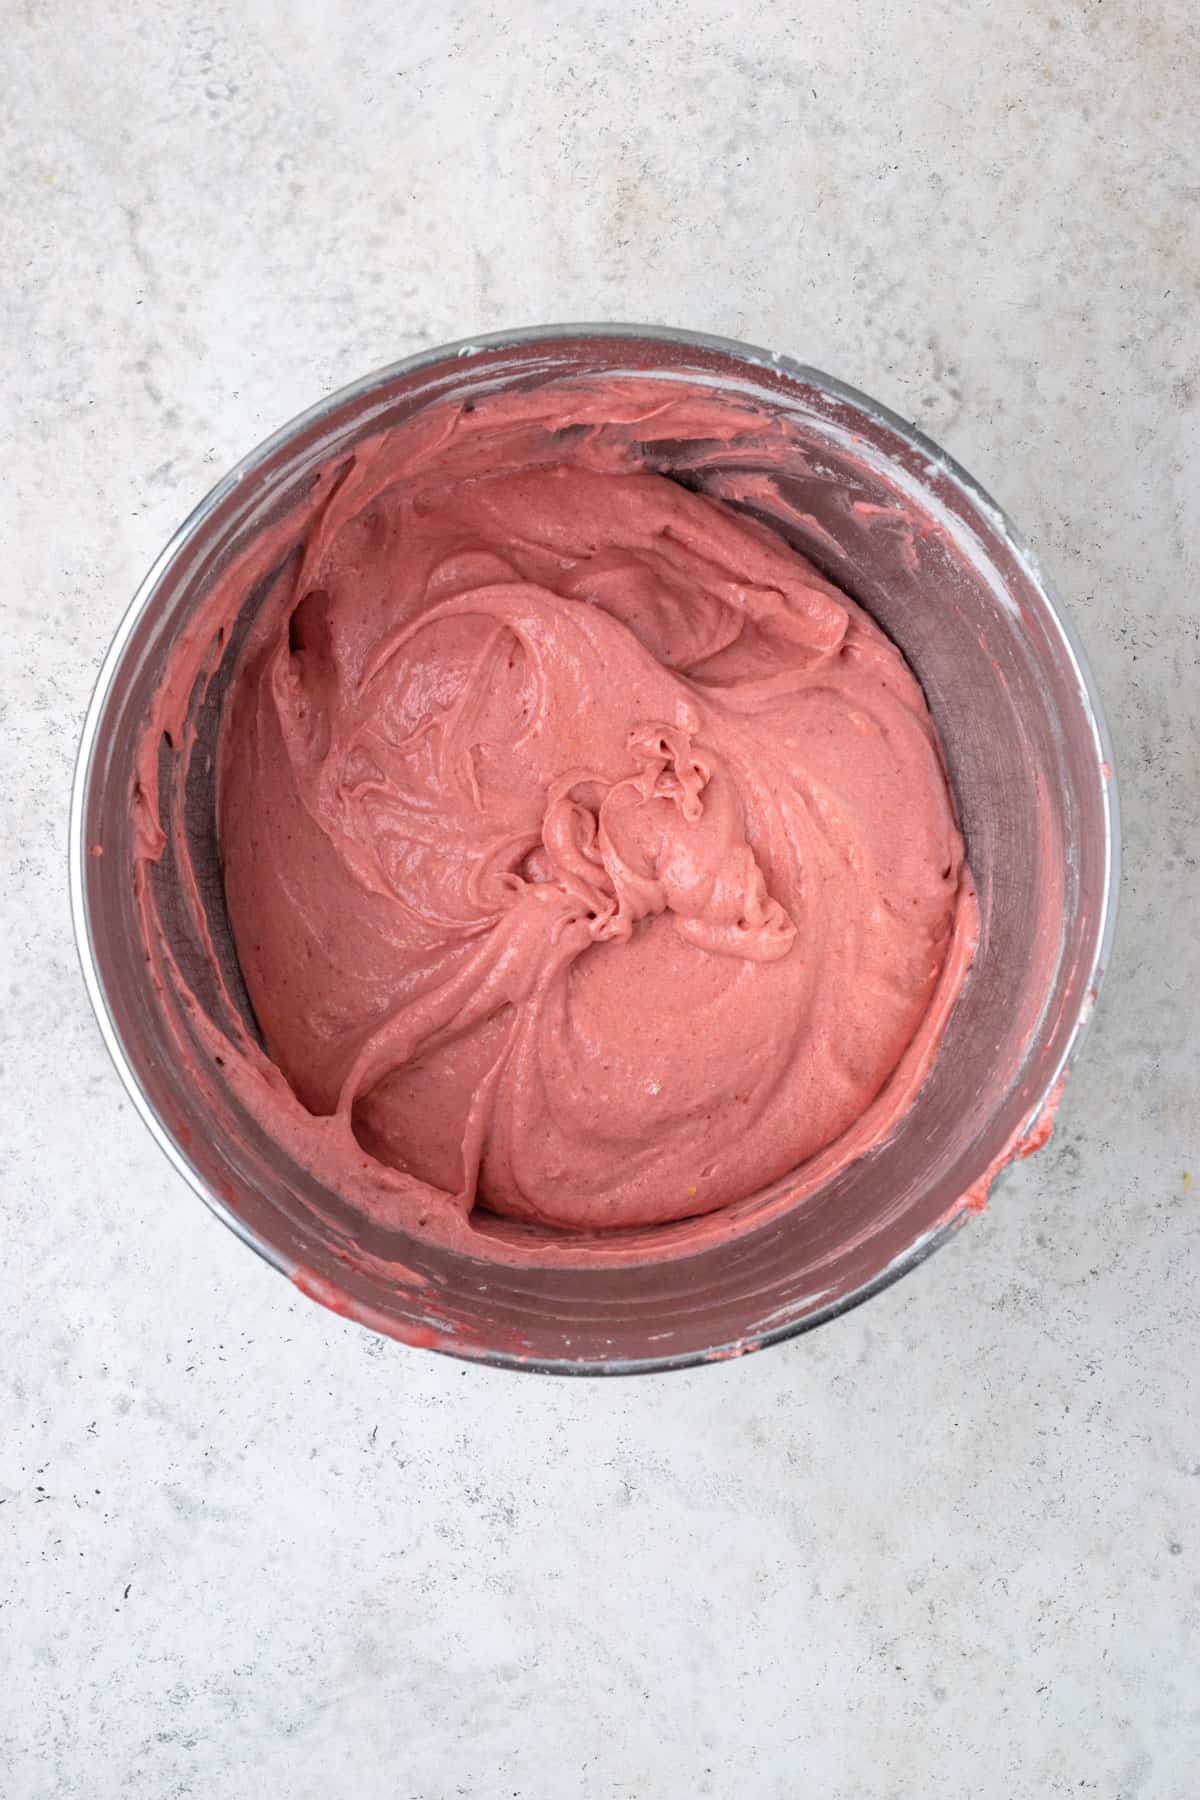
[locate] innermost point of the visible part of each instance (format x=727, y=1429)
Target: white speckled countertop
x=947, y=1547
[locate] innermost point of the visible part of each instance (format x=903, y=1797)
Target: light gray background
x=948, y=1547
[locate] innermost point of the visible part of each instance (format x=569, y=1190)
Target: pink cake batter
x=589, y=857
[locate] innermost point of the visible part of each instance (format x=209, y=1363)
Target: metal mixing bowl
x=1029, y=761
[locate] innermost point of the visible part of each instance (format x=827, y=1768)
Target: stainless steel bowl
x=1029, y=760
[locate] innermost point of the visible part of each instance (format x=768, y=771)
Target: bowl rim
x=461, y=351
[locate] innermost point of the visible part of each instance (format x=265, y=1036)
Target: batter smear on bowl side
x=589, y=857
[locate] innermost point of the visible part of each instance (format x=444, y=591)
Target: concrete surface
x=948, y=1547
